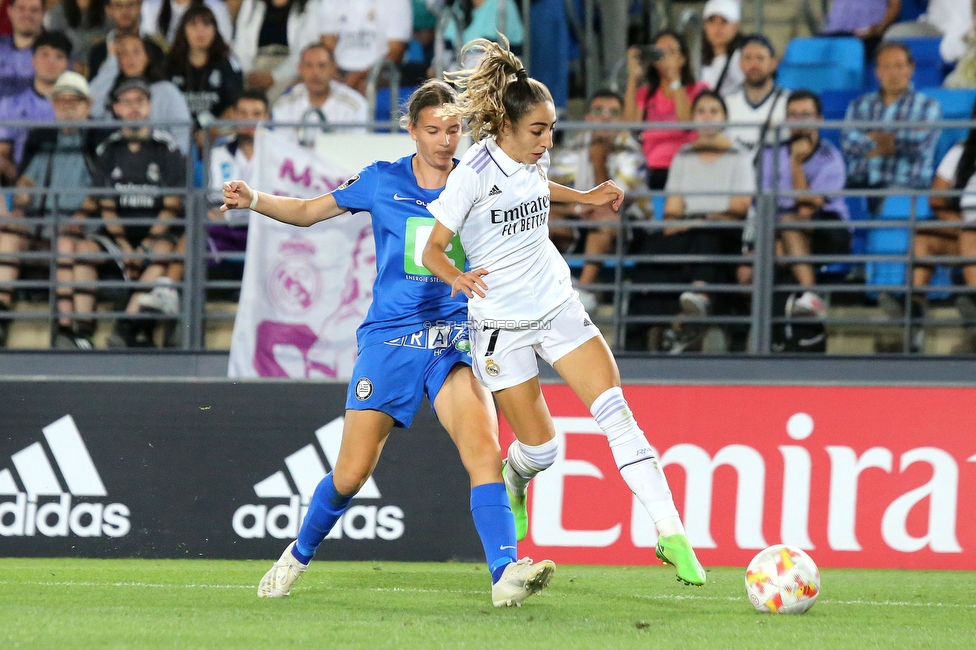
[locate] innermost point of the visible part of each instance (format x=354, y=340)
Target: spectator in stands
x=899, y=157
x=233, y=160
x=133, y=160
x=953, y=20
x=712, y=163
x=957, y=171
x=319, y=99
x=162, y=17
x=586, y=161
x=56, y=159
x=50, y=58
x=271, y=35
x=6, y=29
x=721, y=48
x=16, y=69
x=361, y=33
x=84, y=22
x=483, y=23
x=132, y=62
x=201, y=66
x=807, y=162
x=666, y=92
x=125, y=15
x=761, y=101
x=865, y=19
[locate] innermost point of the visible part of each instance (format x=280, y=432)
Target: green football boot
x=517, y=503
x=676, y=551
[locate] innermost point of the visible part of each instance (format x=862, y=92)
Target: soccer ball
x=782, y=580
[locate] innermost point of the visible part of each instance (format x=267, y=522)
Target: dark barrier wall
x=215, y=470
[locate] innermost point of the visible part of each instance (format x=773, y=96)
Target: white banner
x=305, y=290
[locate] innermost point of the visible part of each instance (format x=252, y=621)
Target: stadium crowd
x=307, y=61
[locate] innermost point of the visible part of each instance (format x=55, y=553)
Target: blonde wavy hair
x=495, y=90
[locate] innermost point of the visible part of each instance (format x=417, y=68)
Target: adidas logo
x=30, y=514
x=587, y=322
x=304, y=472
x=494, y=191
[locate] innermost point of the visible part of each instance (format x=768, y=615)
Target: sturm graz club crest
x=364, y=389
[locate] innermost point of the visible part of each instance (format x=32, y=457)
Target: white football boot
x=520, y=580
x=277, y=582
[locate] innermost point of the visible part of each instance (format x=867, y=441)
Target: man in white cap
x=59, y=159
x=721, y=55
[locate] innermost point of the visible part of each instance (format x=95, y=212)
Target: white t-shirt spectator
x=772, y=108
x=344, y=106
x=364, y=27
x=947, y=172
x=734, y=76
x=228, y=163
x=732, y=172
x=150, y=18
x=303, y=29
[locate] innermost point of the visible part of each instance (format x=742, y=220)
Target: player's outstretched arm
x=437, y=262
x=297, y=212
x=604, y=193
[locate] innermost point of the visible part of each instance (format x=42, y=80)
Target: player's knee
x=349, y=481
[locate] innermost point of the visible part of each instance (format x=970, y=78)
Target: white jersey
x=500, y=209
x=772, y=108
x=344, y=106
x=364, y=28
x=228, y=163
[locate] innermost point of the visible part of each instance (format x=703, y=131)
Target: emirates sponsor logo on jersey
x=523, y=217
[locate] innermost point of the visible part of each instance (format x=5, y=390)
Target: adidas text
x=282, y=518
x=43, y=507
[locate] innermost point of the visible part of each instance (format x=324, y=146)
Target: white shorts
x=502, y=358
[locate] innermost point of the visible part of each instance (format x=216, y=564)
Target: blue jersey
x=16, y=67
x=406, y=296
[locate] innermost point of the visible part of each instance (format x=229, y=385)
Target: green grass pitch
x=68, y=603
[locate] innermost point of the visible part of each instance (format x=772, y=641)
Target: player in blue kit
x=413, y=342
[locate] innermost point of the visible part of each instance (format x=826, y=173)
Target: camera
x=650, y=54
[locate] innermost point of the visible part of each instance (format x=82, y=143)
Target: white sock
x=525, y=461
x=637, y=460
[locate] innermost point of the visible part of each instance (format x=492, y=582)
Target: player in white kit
x=521, y=299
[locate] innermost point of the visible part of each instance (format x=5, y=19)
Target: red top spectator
x=6, y=29
x=666, y=97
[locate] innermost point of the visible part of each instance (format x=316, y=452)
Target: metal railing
x=617, y=276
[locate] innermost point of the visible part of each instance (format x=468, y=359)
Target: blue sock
x=496, y=526
x=323, y=512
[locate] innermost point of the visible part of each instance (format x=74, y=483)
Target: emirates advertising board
x=857, y=476
x=881, y=477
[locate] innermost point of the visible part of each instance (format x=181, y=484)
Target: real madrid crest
x=492, y=368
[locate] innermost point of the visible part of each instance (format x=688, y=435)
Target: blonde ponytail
x=496, y=89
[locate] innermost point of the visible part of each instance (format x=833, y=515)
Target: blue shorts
x=393, y=377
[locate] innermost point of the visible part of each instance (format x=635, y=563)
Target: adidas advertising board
x=213, y=469
x=43, y=506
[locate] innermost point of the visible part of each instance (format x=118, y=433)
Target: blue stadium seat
x=912, y=9
x=658, y=203
x=383, y=101
x=835, y=102
x=892, y=241
x=928, y=61
x=551, y=48
x=957, y=104
x=821, y=64
x=857, y=206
